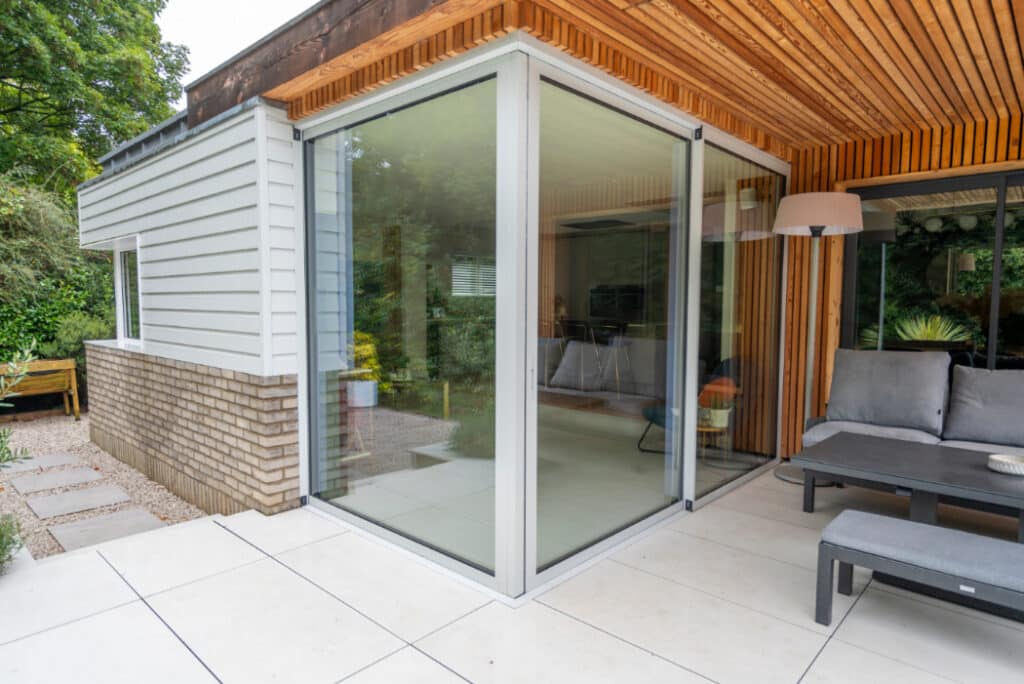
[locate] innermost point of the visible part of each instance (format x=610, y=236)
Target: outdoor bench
x=983, y=568
x=51, y=377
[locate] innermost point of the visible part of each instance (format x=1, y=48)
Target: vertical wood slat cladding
x=968, y=147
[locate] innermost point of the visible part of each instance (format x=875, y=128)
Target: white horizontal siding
x=194, y=208
x=282, y=244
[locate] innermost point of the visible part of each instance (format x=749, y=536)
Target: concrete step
x=42, y=461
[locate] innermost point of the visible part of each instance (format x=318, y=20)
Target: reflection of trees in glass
x=423, y=189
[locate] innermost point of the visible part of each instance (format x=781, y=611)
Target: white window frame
x=519, y=60
x=129, y=244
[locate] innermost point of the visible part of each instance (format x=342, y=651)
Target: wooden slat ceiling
x=801, y=73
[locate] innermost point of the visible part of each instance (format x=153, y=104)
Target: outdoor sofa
x=913, y=396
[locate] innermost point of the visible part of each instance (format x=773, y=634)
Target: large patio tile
x=536, y=644
x=127, y=644
x=408, y=666
x=406, y=596
x=923, y=635
x=58, y=591
x=276, y=533
x=841, y=663
x=779, y=589
x=166, y=558
x=762, y=536
x=786, y=505
x=720, y=640
x=264, y=623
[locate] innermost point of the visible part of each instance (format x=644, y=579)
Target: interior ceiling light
x=933, y=224
x=967, y=221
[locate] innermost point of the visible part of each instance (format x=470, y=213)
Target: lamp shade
x=819, y=213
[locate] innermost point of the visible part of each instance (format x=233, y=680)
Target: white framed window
x=473, y=276
x=126, y=291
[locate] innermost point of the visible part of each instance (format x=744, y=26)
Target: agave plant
x=931, y=329
x=869, y=337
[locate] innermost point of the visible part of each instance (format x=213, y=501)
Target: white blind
x=473, y=276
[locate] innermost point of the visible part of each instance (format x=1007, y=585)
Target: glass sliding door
x=1010, y=330
x=404, y=319
x=739, y=319
x=612, y=205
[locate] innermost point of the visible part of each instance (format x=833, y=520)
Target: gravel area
x=65, y=435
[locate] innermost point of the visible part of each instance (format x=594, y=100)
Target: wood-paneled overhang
x=843, y=89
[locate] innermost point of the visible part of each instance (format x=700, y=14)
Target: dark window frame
x=1000, y=180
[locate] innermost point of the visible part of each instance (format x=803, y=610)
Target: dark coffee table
x=928, y=473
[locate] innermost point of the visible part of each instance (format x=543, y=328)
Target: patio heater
x=814, y=215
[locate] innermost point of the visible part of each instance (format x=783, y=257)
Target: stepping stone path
x=49, y=471
x=40, y=462
x=77, y=500
x=75, y=535
x=28, y=484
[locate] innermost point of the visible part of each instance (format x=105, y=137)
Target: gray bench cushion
x=986, y=406
x=961, y=554
x=987, y=447
x=898, y=389
x=823, y=431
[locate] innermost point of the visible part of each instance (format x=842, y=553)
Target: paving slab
x=29, y=484
x=75, y=535
x=79, y=500
x=42, y=461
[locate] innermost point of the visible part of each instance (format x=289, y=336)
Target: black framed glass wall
x=940, y=266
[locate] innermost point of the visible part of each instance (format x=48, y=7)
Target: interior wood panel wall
x=757, y=306
x=970, y=147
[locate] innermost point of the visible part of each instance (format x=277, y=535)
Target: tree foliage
x=78, y=77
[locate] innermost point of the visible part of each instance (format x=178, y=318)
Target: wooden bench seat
x=982, y=568
x=52, y=377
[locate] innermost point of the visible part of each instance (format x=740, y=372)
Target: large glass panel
x=612, y=194
x=925, y=273
x=404, y=304
x=1010, y=350
x=739, y=319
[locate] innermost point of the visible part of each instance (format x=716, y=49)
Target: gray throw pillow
x=549, y=355
x=899, y=389
x=986, y=406
x=581, y=367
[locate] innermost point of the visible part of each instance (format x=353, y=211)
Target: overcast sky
x=215, y=30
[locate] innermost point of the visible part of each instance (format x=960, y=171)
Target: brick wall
x=222, y=440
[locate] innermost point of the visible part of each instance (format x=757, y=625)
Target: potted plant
x=362, y=391
x=715, y=410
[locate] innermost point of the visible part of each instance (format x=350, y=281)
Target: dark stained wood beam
x=326, y=31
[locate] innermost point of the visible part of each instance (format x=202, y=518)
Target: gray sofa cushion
x=636, y=366
x=549, y=355
x=962, y=554
x=898, y=389
x=986, y=447
x=986, y=406
x=823, y=431
x=582, y=366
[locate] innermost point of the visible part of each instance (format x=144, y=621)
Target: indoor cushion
x=898, y=389
x=986, y=406
x=581, y=366
x=823, y=431
x=635, y=366
x=986, y=447
x=549, y=355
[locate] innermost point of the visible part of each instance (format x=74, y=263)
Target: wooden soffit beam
x=300, y=50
